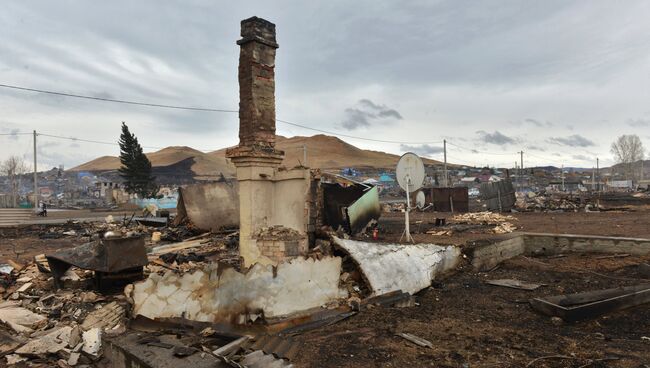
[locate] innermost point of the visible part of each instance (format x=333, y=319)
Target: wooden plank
x=416, y=340
x=231, y=347
x=515, y=284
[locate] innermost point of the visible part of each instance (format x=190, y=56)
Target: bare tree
x=627, y=150
x=13, y=168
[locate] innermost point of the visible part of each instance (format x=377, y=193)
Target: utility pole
x=35, y=176
x=521, y=166
x=597, y=174
x=444, y=143
x=304, y=155
x=641, y=177
x=593, y=178
x=517, y=172
x=562, y=175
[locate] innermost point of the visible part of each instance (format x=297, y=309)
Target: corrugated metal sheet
x=498, y=196
x=281, y=347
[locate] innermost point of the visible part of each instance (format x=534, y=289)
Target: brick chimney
x=256, y=95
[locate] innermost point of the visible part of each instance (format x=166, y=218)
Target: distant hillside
x=328, y=152
x=323, y=152
x=204, y=165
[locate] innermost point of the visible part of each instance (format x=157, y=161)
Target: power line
x=206, y=109
x=483, y=152
x=116, y=101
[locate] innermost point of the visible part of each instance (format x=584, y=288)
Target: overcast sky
x=558, y=79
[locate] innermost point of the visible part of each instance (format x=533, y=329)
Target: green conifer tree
x=136, y=167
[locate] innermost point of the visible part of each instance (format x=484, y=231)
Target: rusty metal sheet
x=364, y=210
x=105, y=255
x=590, y=304
x=446, y=199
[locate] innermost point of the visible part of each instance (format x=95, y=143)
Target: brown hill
x=205, y=165
x=323, y=152
x=328, y=152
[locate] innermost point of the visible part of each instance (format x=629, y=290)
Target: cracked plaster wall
x=220, y=293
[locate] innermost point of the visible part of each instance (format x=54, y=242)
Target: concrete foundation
x=487, y=257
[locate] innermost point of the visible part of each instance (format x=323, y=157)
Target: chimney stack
x=256, y=92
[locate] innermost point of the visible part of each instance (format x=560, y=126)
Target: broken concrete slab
x=21, y=319
x=73, y=359
x=220, y=293
x=92, y=341
x=392, y=267
x=13, y=359
x=51, y=342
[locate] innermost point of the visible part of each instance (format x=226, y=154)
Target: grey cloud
x=497, y=138
x=582, y=158
x=575, y=140
x=366, y=113
x=422, y=150
x=638, y=123
x=14, y=134
x=537, y=148
x=539, y=123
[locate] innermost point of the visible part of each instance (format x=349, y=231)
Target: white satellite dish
x=420, y=200
x=410, y=172
x=410, y=176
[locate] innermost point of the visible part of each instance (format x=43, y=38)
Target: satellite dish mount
x=410, y=176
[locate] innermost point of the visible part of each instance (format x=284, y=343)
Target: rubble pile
x=195, y=253
x=278, y=233
x=393, y=207
x=42, y=326
x=552, y=202
x=48, y=327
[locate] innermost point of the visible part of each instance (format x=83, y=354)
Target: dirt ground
x=473, y=324
x=631, y=224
